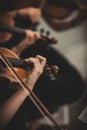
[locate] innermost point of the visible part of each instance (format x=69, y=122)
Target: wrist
x=24, y=92
x=20, y=47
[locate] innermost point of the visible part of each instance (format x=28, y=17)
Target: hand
x=33, y=13
x=31, y=37
x=39, y=63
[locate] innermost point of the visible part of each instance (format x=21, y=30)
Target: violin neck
x=19, y=63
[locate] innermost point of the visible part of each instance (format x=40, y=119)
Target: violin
x=7, y=34
x=42, y=109
x=21, y=66
x=62, y=15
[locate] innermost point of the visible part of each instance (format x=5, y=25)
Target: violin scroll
x=52, y=40
x=51, y=71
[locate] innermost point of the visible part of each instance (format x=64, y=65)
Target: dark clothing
x=10, y=29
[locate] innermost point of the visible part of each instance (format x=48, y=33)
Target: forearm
x=20, y=47
x=10, y=107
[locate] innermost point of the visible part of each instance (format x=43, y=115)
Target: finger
x=37, y=65
x=35, y=61
x=37, y=35
x=42, y=60
x=32, y=60
x=32, y=36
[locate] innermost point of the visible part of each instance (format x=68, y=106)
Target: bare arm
x=10, y=107
x=31, y=37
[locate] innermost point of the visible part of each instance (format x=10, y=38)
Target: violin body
x=62, y=15
x=5, y=72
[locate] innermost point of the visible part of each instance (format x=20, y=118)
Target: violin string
x=10, y=67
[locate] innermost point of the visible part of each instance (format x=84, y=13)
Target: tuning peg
x=47, y=33
x=55, y=69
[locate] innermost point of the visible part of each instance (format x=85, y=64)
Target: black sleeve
x=10, y=29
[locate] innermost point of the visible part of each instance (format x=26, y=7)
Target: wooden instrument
x=21, y=66
x=7, y=34
x=63, y=15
